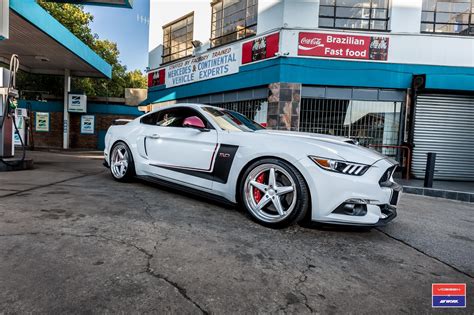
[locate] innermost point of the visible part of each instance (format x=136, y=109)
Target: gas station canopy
x=45, y=46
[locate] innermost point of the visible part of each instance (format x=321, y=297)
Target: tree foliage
x=77, y=21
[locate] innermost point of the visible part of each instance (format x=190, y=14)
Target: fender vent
x=385, y=179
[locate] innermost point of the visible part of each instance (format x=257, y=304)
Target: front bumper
x=390, y=212
x=106, y=159
x=331, y=191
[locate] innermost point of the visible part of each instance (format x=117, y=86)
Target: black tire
x=129, y=173
x=301, y=205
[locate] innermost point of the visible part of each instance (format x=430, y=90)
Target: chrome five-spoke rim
x=119, y=161
x=270, y=193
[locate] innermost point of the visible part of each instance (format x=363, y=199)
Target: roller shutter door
x=444, y=124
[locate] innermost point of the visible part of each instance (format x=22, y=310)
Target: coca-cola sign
x=343, y=46
x=310, y=43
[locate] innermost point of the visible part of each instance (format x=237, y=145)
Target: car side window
x=169, y=118
x=173, y=117
x=150, y=119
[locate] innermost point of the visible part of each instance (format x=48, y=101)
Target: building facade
x=394, y=75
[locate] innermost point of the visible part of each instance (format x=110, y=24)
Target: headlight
x=343, y=167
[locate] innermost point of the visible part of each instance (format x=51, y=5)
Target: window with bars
x=177, y=38
x=448, y=16
x=369, y=122
x=233, y=20
x=248, y=108
x=354, y=14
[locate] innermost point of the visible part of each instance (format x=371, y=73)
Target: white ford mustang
x=279, y=177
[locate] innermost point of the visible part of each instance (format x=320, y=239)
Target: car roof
x=190, y=105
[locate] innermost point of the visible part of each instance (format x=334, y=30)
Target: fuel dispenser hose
x=14, y=66
x=23, y=148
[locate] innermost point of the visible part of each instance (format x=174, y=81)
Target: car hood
x=347, y=149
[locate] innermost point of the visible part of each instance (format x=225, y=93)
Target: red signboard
x=260, y=48
x=447, y=289
x=343, y=46
x=156, y=78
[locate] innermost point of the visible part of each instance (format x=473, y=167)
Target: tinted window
x=353, y=14
x=233, y=20
x=150, y=119
x=177, y=39
x=231, y=121
x=246, y=121
x=173, y=117
x=448, y=16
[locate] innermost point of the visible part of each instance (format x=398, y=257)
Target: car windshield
x=232, y=121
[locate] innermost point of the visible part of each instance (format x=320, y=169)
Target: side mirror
x=194, y=122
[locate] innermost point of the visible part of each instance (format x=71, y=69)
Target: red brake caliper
x=257, y=194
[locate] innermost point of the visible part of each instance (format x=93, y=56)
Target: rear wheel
x=122, y=166
x=274, y=193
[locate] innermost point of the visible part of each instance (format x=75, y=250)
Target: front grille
x=385, y=179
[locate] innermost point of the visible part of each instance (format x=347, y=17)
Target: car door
x=181, y=153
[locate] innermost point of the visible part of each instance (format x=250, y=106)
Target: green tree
x=135, y=78
x=77, y=21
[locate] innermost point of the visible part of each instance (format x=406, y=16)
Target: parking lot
x=74, y=240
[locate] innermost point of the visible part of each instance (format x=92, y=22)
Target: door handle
x=154, y=136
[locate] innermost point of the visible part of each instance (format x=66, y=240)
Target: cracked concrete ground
x=75, y=241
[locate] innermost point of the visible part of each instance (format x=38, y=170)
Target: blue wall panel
x=92, y=108
x=325, y=72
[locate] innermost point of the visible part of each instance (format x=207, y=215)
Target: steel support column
x=67, y=89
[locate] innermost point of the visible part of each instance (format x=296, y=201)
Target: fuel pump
x=8, y=104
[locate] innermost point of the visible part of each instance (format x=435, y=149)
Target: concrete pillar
x=67, y=89
x=284, y=102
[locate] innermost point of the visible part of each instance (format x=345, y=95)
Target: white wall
x=432, y=50
x=407, y=48
x=4, y=18
x=165, y=11
x=407, y=45
x=405, y=16
x=301, y=13
x=270, y=15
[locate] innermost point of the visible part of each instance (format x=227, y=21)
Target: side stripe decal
x=222, y=165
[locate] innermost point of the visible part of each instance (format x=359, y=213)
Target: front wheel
x=122, y=166
x=274, y=193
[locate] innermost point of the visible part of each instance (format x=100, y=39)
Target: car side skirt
x=193, y=191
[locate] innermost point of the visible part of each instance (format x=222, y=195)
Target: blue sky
x=128, y=28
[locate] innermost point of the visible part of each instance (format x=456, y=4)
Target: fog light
x=360, y=210
x=353, y=209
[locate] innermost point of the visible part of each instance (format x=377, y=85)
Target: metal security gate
x=444, y=124
x=371, y=123
x=249, y=108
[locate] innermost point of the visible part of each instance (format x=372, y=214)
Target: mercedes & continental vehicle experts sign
x=203, y=67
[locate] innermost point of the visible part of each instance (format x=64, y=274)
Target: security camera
x=196, y=43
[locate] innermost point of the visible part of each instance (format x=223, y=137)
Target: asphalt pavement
x=73, y=240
